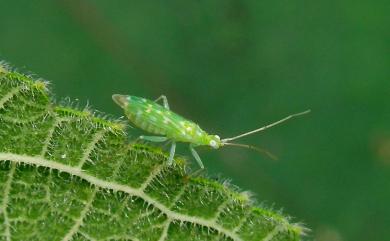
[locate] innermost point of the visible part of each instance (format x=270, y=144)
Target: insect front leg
x=196, y=156
x=165, y=101
x=172, y=153
x=154, y=138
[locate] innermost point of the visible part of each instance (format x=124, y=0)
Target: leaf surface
x=66, y=174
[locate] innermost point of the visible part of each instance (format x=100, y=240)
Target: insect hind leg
x=196, y=156
x=165, y=101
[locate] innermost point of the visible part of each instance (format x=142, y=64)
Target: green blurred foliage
x=232, y=66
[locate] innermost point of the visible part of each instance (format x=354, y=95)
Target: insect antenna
x=264, y=127
x=257, y=149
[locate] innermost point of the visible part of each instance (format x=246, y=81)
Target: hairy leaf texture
x=66, y=174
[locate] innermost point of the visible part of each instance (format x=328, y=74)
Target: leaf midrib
x=40, y=161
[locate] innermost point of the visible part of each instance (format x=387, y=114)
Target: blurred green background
x=233, y=66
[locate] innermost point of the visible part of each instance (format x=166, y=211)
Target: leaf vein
x=241, y=223
x=157, y=170
x=14, y=120
x=7, y=190
x=46, y=143
x=273, y=233
x=221, y=208
x=39, y=161
x=179, y=195
x=87, y=236
x=164, y=233
x=91, y=146
x=9, y=96
x=83, y=214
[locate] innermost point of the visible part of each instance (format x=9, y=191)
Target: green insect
x=167, y=125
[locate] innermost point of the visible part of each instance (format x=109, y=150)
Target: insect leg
x=196, y=156
x=165, y=101
x=154, y=138
x=172, y=153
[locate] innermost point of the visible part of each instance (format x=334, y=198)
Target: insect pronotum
x=166, y=125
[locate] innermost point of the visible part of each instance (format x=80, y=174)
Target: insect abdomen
x=143, y=122
x=154, y=118
x=144, y=114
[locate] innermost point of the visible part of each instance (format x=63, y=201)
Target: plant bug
x=166, y=125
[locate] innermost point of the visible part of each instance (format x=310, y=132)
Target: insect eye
x=213, y=143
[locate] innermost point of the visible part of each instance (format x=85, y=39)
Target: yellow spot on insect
x=189, y=128
x=199, y=133
x=166, y=120
x=148, y=110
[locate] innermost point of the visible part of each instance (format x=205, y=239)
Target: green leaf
x=66, y=174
